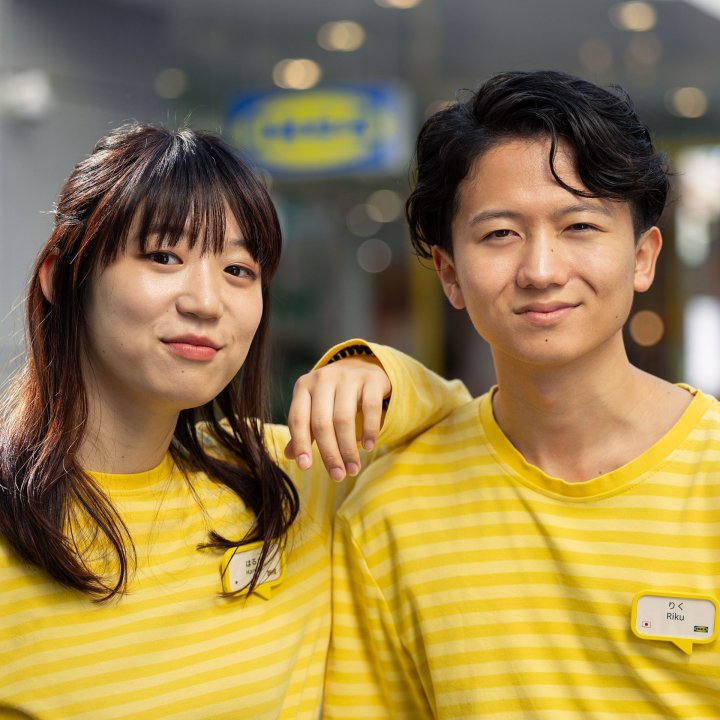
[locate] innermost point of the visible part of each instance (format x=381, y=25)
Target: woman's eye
x=240, y=271
x=163, y=258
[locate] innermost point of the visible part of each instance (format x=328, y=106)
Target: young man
x=551, y=550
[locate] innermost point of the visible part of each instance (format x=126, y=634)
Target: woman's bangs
x=175, y=210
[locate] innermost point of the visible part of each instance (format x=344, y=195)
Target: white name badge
x=683, y=619
x=238, y=566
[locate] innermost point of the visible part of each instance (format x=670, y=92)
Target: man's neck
x=579, y=422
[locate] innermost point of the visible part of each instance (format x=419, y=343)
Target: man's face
x=547, y=277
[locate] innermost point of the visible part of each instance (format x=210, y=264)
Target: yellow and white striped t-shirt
x=468, y=584
x=172, y=648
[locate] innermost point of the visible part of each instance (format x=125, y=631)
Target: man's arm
x=368, y=393
x=370, y=674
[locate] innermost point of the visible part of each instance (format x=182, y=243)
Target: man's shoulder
x=410, y=473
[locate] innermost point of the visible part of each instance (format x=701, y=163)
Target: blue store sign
x=325, y=131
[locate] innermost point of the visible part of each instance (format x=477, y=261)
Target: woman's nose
x=201, y=293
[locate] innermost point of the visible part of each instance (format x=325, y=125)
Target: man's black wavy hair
x=614, y=154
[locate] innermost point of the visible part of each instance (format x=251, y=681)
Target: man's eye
x=499, y=234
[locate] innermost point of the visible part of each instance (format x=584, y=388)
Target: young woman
x=159, y=557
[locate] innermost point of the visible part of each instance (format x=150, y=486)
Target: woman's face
x=167, y=329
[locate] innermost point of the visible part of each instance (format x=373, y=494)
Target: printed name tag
x=680, y=618
x=238, y=566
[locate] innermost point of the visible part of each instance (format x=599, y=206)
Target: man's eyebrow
x=487, y=215
x=598, y=209
x=494, y=215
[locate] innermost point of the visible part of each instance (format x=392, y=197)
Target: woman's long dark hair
x=175, y=183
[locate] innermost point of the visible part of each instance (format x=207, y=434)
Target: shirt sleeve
x=419, y=398
x=370, y=674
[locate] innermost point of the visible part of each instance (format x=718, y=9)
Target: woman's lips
x=192, y=347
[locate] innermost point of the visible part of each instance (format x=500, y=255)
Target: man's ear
x=647, y=250
x=46, y=275
x=445, y=268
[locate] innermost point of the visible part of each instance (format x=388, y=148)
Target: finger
x=300, y=446
x=345, y=414
x=372, y=409
x=322, y=424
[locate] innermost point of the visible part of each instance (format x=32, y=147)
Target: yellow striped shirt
x=172, y=648
x=469, y=584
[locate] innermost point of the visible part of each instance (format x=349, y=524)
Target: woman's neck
x=120, y=439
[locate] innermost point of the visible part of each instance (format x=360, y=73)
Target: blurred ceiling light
x=385, y=206
x=646, y=328
x=341, y=36
x=712, y=7
x=701, y=342
x=644, y=51
x=296, y=74
x=360, y=221
x=633, y=16
x=687, y=102
x=374, y=256
x=399, y=4
x=595, y=56
x=26, y=95
x=171, y=83
x=698, y=212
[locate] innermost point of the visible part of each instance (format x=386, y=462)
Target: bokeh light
x=171, y=83
x=644, y=52
x=633, y=16
x=399, y=4
x=646, y=328
x=26, y=95
x=374, y=255
x=385, y=206
x=360, y=221
x=296, y=74
x=595, y=56
x=687, y=102
x=341, y=36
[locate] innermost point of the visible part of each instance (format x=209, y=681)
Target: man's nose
x=542, y=262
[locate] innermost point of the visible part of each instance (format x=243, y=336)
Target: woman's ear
x=46, y=275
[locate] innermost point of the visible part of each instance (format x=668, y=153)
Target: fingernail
x=303, y=461
x=368, y=444
x=337, y=474
x=353, y=469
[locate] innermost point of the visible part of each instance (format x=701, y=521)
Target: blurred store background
x=328, y=96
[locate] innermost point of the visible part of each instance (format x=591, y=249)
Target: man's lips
x=545, y=313
x=193, y=347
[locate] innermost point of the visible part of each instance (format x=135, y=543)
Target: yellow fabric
x=172, y=648
x=469, y=584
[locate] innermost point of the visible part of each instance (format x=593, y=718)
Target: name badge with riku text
x=683, y=619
